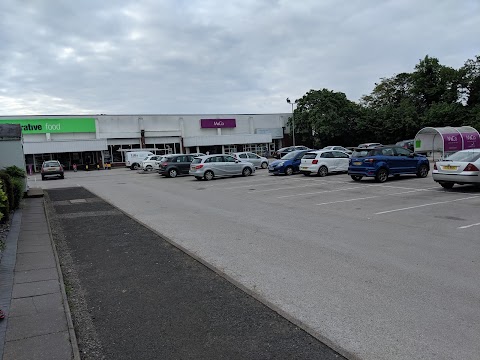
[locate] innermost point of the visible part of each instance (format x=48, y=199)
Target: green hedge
x=11, y=190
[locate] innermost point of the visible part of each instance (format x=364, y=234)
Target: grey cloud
x=213, y=56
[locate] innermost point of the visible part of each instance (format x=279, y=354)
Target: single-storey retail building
x=97, y=139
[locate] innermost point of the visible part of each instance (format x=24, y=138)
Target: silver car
x=258, y=161
x=463, y=167
x=219, y=165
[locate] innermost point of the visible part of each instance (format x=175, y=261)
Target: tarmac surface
x=146, y=299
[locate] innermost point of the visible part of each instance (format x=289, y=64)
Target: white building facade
x=98, y=139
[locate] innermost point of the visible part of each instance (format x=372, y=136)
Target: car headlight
x=280, y=164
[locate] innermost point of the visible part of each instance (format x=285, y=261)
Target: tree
x=326, y=116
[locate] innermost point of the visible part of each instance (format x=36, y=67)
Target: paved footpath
x=32, y=295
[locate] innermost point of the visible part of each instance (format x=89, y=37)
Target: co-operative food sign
x=60, y=125
x=218, y=123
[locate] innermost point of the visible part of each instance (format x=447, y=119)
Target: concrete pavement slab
x=30, y=261
x=36, y=275
x=25, y=247
x=35, y=288
x=22, y=327
x=36, y=304
x=53, y=346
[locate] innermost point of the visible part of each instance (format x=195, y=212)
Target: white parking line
x=376, y=196
x=467, y=226
x=423, y=205
x=319, y=192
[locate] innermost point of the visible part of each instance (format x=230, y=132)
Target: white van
x=133, y=159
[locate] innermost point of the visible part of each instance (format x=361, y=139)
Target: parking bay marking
x=423, y=205
x=375, y=196
x=468, y=226
x=318, y=192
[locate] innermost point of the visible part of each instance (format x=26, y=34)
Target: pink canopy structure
x=446, y=140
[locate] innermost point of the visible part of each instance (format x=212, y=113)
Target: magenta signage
x=471, y=141
x=452, y=142
x=218, y=123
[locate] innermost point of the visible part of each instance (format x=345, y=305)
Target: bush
x=15, y=172
x=17, y=186
x=7, y=188
x=3, y=204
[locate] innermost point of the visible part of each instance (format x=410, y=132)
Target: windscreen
x=464, y=156
x=196, y=161
x=51, y=164
x=309, y=156
x=290, y=155
x=360, y=153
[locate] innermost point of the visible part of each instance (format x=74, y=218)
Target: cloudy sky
x=214, y=56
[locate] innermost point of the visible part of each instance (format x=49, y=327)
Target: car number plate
x=303, y=167
x=449, y=167
x=357, y=163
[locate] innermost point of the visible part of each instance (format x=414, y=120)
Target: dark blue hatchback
x=381, y=162
x=289, y=164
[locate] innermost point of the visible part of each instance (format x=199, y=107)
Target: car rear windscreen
x=196, y=161
x=361, y=152
x=465, y=156
x=309, y=156
x=51, y=164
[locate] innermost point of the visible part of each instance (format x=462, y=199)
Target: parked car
x=175, y=164
x=407, y=144
x=219, y=165
x=148, y=164
x=288, y=164
x=258, y=161
x=323, y=162
x=339, y=148
x=382, y=161
x=52, y=168
x=284, y=151
x=133, y=159
x=461, y=168
x=367, y=145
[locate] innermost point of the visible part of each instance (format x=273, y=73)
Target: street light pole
x=293, y=119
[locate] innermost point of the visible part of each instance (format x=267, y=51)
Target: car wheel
x=247, y=171
x=422, y=171
x=62, y=176
x=198, y=177
x=264, y=165
x=135, y=166
x=289, y=170
x=446, y=185
x=323, y=171
x=356, y=177
x=208, y=175
x=381, y=176
x=149, y=168
x=172, y=173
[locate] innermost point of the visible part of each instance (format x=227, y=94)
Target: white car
x=339, y=148
x=258, y=161
x=149, y=163
x=463, y=167
x=323, y=162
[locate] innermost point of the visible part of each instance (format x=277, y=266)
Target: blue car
x=289, y=164
x=381, y=162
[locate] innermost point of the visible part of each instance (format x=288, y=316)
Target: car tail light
x=165, y=164
x=61, y=168
x=470, y=167
x=435, y=166
x=42, y=170
x=198, y=167
x=371, y=161
x=315, y=161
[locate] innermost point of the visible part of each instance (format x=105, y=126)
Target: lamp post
x=293, y=119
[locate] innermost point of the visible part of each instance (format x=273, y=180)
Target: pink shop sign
x=218, y=123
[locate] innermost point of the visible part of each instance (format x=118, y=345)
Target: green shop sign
x=42, y=126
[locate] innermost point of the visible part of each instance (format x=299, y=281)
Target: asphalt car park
x=376, y=270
